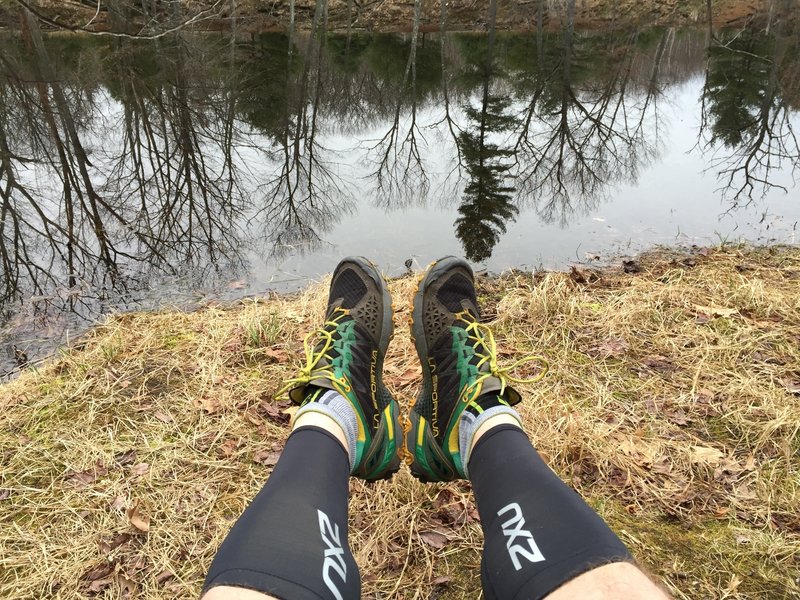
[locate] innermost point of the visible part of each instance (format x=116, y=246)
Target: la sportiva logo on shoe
x=520, y=542
x=434, y=397
x=373, y=388
x=333, y=562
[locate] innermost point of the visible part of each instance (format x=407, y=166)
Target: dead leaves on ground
x=610, y=347
x=450, y=512
x=704, y=477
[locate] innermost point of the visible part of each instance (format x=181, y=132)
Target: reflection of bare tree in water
x=177, y=167
x=52, y=244
x=159, y=192
x=487, y=202
x=399, y=172
x=306, y=195
x=751, y=80
x=573, y=143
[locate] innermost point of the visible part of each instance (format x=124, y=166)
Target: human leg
x=291, y=542
x=542, y=539
x=539, y=533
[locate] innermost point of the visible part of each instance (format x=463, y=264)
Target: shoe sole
x=418, y=433
x=386, y=335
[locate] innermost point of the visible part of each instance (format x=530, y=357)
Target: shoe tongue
x=490, y=384
x=493, y=385
x=322, y=382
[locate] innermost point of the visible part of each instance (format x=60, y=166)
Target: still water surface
x=134, y=175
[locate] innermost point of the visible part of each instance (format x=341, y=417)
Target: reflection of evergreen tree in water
x=737, y=86
x=747, y=110
x=487, y=202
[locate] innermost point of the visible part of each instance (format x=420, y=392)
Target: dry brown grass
x=671, y=405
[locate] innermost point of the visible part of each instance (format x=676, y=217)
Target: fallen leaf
x=434, y=539
x=792, y=386
x=678, y=417
x=108, y=544
x=140, y=469
x=207, y=405
x=99, y=585
x=663, y=466
x=741, y=538
x=728, y=470
x=127, y=587
x=98, y=571
x=238, y=284
x=117, y=503
x=441, y=580
x=734, y=583
x=164, y=576
x=631, y=266
x=410, y=376
x=608, y=348
x=266, y=458
x=163, y=417
x=87, y=477
x=274, y=411
x=125, y=458
x=138, y=520
x=254, y=419
x=583, y=277
x=5, y=494
x=706, y=456
x=703, y=396
x=716, y=311
x=228, y=447
x=291, y=412
x=744, y=492
x=658, y=363
x=276, y=354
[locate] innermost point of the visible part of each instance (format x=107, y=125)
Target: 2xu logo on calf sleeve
x=334, y=554
x=520, y=542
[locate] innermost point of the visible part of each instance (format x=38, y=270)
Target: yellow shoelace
x=484, y=338
x=312, y=368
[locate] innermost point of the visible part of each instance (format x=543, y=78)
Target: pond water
x=143, y=174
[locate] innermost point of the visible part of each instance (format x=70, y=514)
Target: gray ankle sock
x=469, y=423
x=332, y=404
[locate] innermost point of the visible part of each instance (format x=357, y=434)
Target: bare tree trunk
x=349, y=22
x=709, y=21
x=539, y=25
x=770, y=16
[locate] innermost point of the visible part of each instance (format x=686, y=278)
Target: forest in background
x=154, y=17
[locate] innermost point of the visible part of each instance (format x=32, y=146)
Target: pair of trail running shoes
x=459, y=367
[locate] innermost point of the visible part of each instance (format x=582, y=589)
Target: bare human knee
x=227, y=592
x=609, y=582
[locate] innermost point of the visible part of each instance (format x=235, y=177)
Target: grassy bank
x=671, y=405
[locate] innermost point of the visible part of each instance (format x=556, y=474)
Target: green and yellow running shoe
x=346, y=355
x=459, y=369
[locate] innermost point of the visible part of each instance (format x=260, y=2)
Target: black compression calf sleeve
x=538, y=532
x=291, y=542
